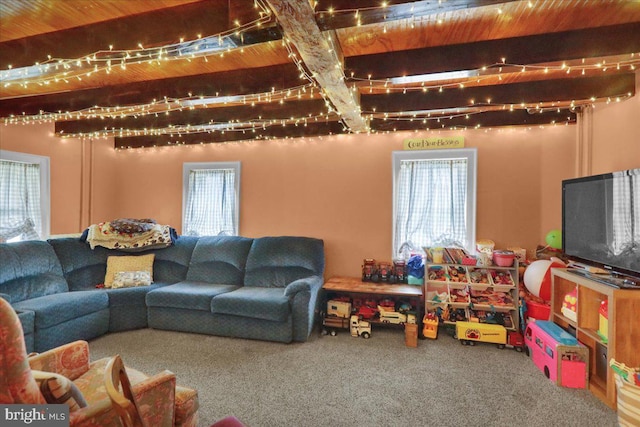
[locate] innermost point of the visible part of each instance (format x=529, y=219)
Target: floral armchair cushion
x=16, y=381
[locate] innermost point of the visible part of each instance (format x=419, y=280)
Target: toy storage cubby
x=354, y=289
x=622, y=326
x=456, y=292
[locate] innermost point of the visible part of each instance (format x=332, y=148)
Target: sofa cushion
x=189, y=295
x=219, y=259
x=28, y=321
x=131, y=279
x=40, y=276
x=54, y=309
x=116, y=264
x=278, y=261
x=85, y=268
x=172, y=263
x=129, y=296
x=254, y=302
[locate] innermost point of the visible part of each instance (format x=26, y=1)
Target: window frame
x=471, y=156
x=187, y=167
x=45, y=184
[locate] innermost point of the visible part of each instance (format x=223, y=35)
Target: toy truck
x=392, y=316
x=360, y=328
x=339, y=308
x=333, y=323
x=471, y=332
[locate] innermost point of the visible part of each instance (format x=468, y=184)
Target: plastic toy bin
x=628, y=403
x=628, y=392
x=538, y=311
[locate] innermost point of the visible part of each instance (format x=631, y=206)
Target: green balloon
x=554, y=239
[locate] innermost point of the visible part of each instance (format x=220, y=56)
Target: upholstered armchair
x=65, y=375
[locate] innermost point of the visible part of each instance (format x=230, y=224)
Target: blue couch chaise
x=264, y=288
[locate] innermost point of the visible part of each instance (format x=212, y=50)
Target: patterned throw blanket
x=130, y=235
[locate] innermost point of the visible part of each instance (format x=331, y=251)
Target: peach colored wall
x=340, y=188
x=65, y=159
x=335, y=188
x=616, y=135
x=74, y=166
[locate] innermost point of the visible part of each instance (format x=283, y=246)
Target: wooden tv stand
x=623, y=326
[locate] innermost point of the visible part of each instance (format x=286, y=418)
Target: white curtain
x=20, y=213
x=626, y=212
x=431, y=203
x=211, y=201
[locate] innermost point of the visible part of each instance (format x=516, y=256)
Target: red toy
x=366, y=312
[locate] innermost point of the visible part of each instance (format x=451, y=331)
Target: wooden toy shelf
x=623, y=326
x=473, y=291
x=355, y=287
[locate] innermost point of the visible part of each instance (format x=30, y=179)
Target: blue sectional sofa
x=264, y=288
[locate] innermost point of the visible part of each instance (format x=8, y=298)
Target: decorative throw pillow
x=128, y=279
x=117, y=264
x=58, y=389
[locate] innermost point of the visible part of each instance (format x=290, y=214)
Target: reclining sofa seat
x=84, y=268
x=32, y=280
x=265, y=288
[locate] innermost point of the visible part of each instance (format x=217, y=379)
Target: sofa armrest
x=303, y=294
x=310, y=284
x=70, y=360
x=156, y=397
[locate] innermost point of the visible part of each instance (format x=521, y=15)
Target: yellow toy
x=430, y=326
x=569, y=305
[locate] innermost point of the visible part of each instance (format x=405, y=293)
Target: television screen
x=601, y=220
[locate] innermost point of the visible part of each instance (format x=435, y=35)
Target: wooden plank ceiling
x=165, y=72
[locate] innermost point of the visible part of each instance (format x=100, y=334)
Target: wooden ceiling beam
x=480, y=120
x=273, y=132
x=566, y=45
x=243, y=113
x=336, y=14
x=229, y=83
x=320, y=57
x=515, y=93
x=156, y=28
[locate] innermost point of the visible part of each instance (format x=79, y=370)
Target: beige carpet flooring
x=354, y=382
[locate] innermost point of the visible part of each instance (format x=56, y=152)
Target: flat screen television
x=601, y=221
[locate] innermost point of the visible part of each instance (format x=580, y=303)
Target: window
x=434, y=198
x=211, y=199
x=549, y=351
x=24, y=196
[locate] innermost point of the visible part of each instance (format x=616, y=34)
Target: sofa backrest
x=171, y=264
x=219, y=259
x=278, y=261
x=29, y=270
x=85, y=268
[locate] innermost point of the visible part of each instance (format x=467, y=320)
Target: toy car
x=366, y=312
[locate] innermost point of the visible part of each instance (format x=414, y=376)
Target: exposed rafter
x=321, y=58
x=335, y=66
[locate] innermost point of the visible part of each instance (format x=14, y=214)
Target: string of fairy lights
x=215, y=46
x=54, y=70
x=309, y=90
